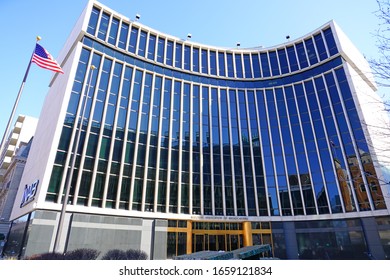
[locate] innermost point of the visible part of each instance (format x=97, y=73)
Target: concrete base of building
x=359, y=238
x=103, y=233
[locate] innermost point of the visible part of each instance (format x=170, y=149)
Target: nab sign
x=29, y=193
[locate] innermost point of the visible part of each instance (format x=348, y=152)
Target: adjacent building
x=22, y=132
x=12, y=162
x=186, y=147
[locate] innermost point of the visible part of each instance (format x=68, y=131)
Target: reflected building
x=187, y=147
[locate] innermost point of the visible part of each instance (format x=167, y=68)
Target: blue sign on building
x=29, y=193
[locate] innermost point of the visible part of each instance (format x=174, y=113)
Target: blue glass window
x=336, y=151
x=145, y=105
x=246, y=154
x=263, y=120
x=274, y=63
x=124, y=98
x=273, y=197
x=110, y=114
x=115, y=80
x=113, y=31
x=105, y=18
x=319, y=42
x=292, y=58
x=265, y=64
x=186, y=117
x=195, y=60
x=345, y=137
x=160, y=50
x=93, y=21
x=330, y=42
x=126, y=84
x=302, y=56
x=234, y=117
x=135, y=101
x=215, y=119
x=205, y=65
x=123, y=36
x=311, y=52
x=102, y=91
x=221, y=64
x=142, y=43
x=226, y=153
x=166, y=107
x=247, y=64
x=151, y=46
x=196, y=128
x=207, y=191
x=320, y=46
x=256, y=65
x=169, y=58
x=323, y=150
x=133, y=39
x=283, y=61
x=187, y=57
x=77, y=86
x=178, y=55
x=176, y=115
x=205, y=117
x=105, y=148
x=213, y=63
x=360, y=141
x=156, y=106
x=230, y=65
x=238, y=65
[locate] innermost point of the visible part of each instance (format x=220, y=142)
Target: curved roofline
x=301, y=38
x=190, y=42
x=346, y=48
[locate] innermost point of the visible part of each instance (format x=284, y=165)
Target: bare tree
x=380, y=128
x=381, y=64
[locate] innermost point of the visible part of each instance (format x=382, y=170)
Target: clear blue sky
x=212, y=22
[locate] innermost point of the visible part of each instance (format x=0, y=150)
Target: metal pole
x=11, y=117
x=68, y=183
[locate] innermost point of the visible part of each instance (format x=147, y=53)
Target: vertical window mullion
x=107, y=179
x=307, y=162
x=146, y=165
x=283, y=153
x=232, y=154
x=251, y=152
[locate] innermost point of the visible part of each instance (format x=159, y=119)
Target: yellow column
x=247, y=233
x=189, y=237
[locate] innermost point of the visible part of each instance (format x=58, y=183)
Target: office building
x=12, y=161
x=186, y=147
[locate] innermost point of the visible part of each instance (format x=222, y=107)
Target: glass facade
x=208, y=148
x=173, y=127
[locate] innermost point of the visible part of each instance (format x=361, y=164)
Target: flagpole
x=68, y=183
x=11, y=117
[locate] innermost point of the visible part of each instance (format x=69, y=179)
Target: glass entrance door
x=216, y=242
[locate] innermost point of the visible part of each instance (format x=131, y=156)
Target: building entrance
x=186, y=237
x=217, y=242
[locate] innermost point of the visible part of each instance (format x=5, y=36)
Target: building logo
x=29, y=193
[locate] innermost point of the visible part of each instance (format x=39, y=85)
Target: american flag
x=43, y=59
